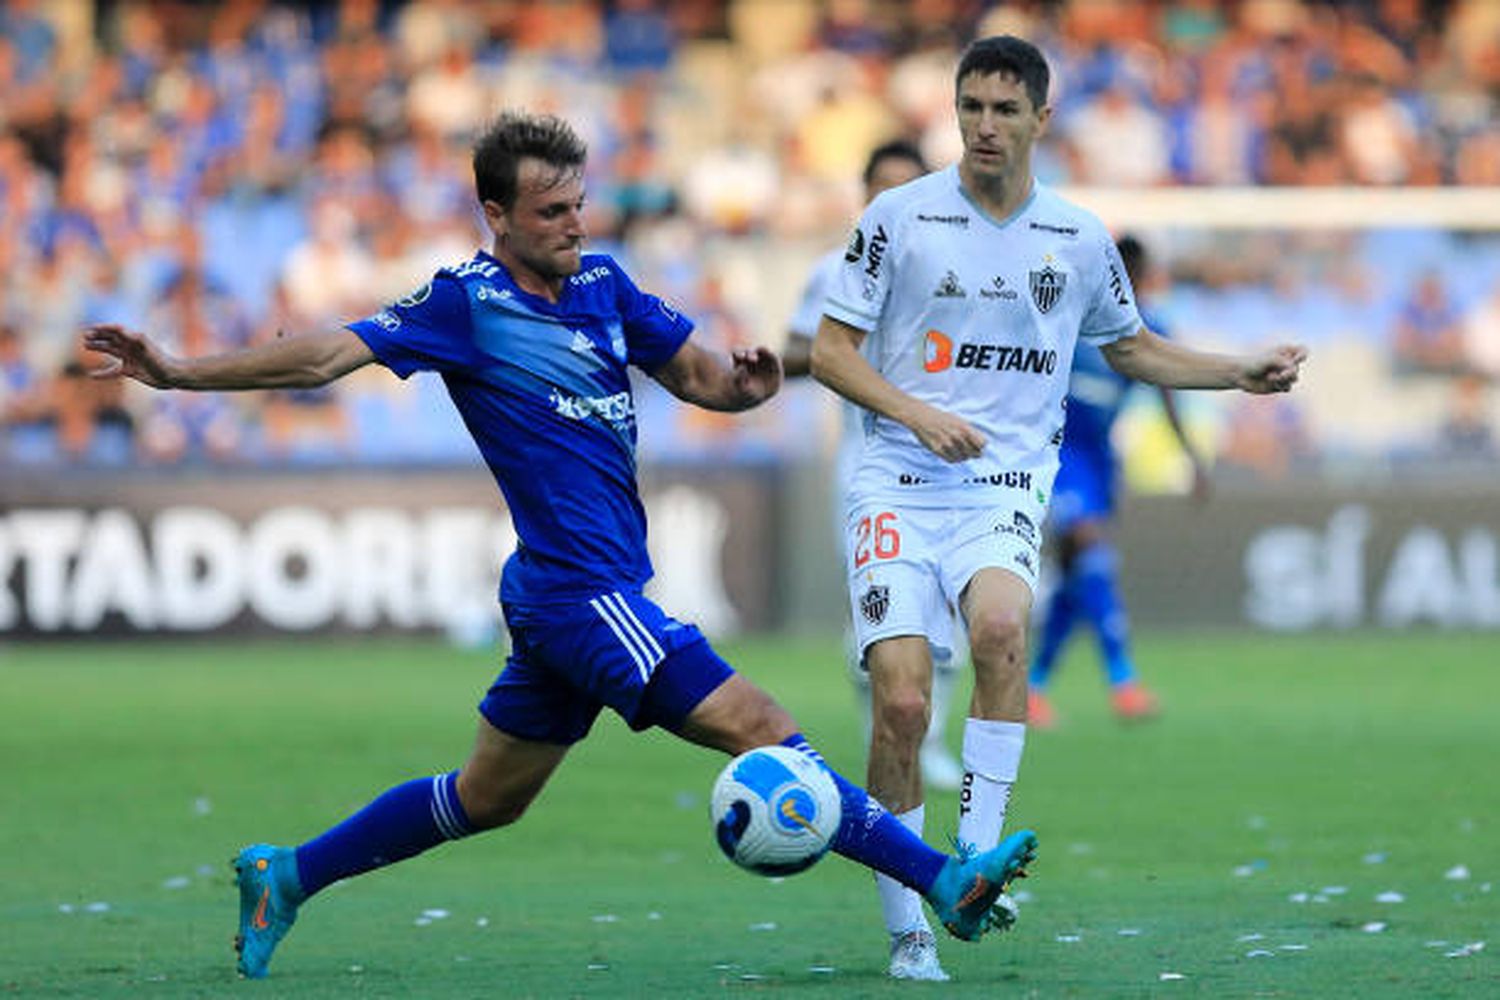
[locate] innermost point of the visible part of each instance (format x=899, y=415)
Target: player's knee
x=494, y=813
x=998, y=635
x=901, y=714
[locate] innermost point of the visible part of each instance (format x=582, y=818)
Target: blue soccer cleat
x=269, y=897
x=966, y=890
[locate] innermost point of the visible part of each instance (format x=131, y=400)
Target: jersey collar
x=532, y=300
x=999, y=223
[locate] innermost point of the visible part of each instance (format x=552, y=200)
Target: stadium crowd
x=216, y=173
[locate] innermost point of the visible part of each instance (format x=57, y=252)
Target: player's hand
x=128, y=355
x=951, y=438
x=757, y=373
x=1274, y=371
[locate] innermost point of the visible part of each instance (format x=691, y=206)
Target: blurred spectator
x=638, y=37
x=1482, y=334
x=21, y=399
x=318, y=152
x=88, y=415
x=1378, y=135
x=328, y=276
x=1468, y=431
x=1117, y=141
x=1428, y=336
x=1265, y=437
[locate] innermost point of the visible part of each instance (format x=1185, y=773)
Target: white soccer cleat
x=914, y=956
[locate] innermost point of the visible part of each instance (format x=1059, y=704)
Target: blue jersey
x=543, y=388
x=1096, y=395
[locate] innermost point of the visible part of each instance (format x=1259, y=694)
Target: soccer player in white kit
x=953, y=320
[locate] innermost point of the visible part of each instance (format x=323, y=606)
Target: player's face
x=889, y=172
x=543, y=230
x=998, y=123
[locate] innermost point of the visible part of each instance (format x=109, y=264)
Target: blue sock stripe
x=447, y=810
x=799, y=743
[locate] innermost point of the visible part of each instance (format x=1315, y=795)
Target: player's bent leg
x=737, y=716
x=503, y=776
x=997, y=607
x=900, y=691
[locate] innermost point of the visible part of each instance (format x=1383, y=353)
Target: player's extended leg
x=997, y=605
x=1097, y=592
x=499, y=780
x=900, y=670
x=737, y=716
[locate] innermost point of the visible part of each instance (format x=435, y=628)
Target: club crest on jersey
x=874, y=603
x=949, y=288
x=1047, y=287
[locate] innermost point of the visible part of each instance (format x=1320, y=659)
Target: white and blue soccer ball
x=775, y=810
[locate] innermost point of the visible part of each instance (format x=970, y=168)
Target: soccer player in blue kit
x=1083, y=503
x=533, y=340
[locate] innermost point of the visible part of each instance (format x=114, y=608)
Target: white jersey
x=804, y=322
x=977, y=317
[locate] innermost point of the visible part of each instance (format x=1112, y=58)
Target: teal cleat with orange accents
x=269, y=897
x=966, y=891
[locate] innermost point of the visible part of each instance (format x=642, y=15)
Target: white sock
x=992, y=757
x=902, y=907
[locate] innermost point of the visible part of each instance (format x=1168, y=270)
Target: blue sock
x=1057, y=625
x=870, y=835
x=1099, y=596
x=404, y=821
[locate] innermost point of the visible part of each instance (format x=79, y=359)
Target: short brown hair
x=514, y=136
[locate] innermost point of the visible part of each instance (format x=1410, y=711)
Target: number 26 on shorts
x=876, y=535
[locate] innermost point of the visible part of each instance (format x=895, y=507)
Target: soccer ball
x=775, y=810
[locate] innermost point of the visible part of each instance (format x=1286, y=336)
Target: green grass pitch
x=1242, y=843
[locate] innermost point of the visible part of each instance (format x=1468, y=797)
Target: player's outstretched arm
x=1159, y=361
x=747, y=377
x=837, y=363
x=291, y=362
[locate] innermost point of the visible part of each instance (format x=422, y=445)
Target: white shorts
x=908, y=567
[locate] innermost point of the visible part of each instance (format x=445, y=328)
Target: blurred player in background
x=533, y=341
x=1083, y=502
x=889, y=165
x=973, y=285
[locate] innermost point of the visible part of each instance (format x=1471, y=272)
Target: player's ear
x=1043, y=119
x=496, y=218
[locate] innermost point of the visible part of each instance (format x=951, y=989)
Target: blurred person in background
x=972, y=286
x=1429, y=332
x=1467, y=432
x=888, y=166
x=1083, y=506
x=534, y=340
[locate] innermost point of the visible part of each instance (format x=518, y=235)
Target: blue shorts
x=1084, y=489
x=616, y=649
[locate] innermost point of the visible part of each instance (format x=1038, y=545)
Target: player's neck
x=998, y=194
x=526, y=278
